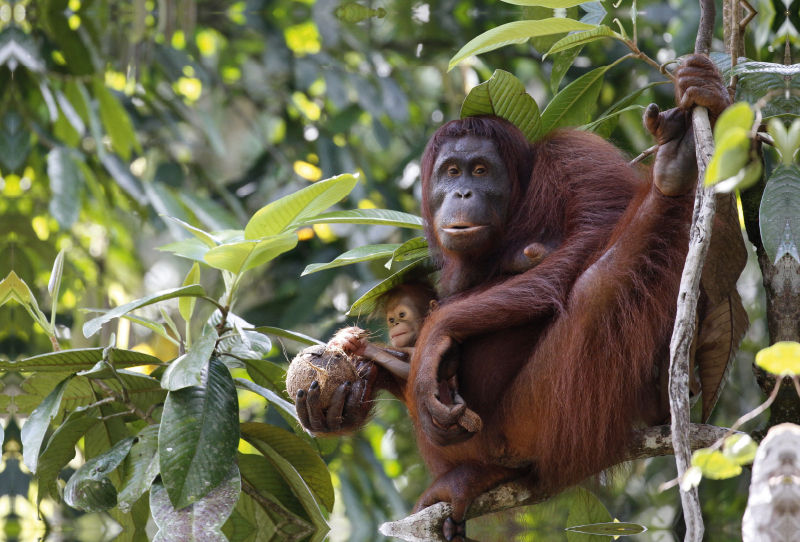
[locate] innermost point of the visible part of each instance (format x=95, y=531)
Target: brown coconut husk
x=330, y=368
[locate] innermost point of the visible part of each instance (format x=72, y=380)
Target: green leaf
x=65, y=187
x=35, y=428
x=779, y=214
x=377, y=217
x=786, y=141
x=739, y=115
x=286, y=334
x=13, y=287
x=715, y=465
x=191, y=249
x=115, y=120
x=89, y=488
x=505, y=96
x=249, y=345
x=287, y=407
x=747, y=177
x=561, y=63
x=77, y=55
x=783, y=70
x=360, y=254
x=369, y=301
x=553, y=4
x=293, y=478
x=206, y=238
x=93, y=326
x=201, y=521
x=571, y=106
x=199, y=435
x=261, y=474
x=730, y=155
x=186, y=304
x=782, y=358
x=605, y=128
x=592, y=126
x=411, y=250
x=249, y=522
x=141, y=468
x=245, y=255
x=582, y=38
x=61, y=449
x=741, y=449
x=586, y=509
x=292, y=448
x=54, y=284
x=516, y=32
x=612, y=528
x=280, y=216
x=185, y=371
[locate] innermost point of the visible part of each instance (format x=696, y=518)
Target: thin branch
x=124, y=400
x=54, y=342
x=427, y=524
x=645, y=153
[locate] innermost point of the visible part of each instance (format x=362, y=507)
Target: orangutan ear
x=434, y=305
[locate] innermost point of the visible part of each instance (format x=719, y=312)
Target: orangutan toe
x=454, y=531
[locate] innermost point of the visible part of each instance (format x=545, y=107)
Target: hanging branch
x=685, y=321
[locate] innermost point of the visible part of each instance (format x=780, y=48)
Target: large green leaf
x=594, y=125
x=411, y=250
x=89, y=488
x=205, y=237
x=287, y=407
x=377, y=217
x=295, y=481
x=280, y=216
x=369, y=301
x=292, y=448
x=360, y=254
x=185, y=371
x=561, y=63
x=585, y=509
x=201, y=521
x=61, y=449
x=516, y=32
x=199, y=435
x=505, y=96
x=779, y=215
x=571, y=106
x=582, y=38
x=249, y=521
x=115, y=120
x=93, y=326
x=80, y=359
x=141, y=468
x=65, y=187
x=35, y=428
x=192, y=249
x=242, y=256
x=261, y=474
x=286, y=334
x=604, y=129
x=186, y=304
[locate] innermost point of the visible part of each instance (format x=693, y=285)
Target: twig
x=125, y=401
x=765, y=138
x=645, y=153
x=683, y=332
x=54, y=342
x=427, y=524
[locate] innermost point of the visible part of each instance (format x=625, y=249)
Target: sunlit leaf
x=245, y=255
x=35, y=428
x=741, y=449
x=739, y=115
x=571, y=106
x=360, y=254
x=192, y=249
x=185, y=371
x=93, y=326
x=65, y=187
x=611, y=528
x=516, y=32
x=781, y=358
x=730, y=155
x=115, y=120
x=582, y=38
x=376, y=217
x=293, y=335
x=786, y=141
x=505, y=96
x=411, y=250
x=369, y=301
x=561, y=63
x=271, y=396
x=715, y=465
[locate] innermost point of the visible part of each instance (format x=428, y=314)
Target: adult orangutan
x=563, y=360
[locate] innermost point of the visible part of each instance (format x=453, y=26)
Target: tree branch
x=427, y=524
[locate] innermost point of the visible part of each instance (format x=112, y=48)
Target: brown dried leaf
x=727, y=254
x=721, y=333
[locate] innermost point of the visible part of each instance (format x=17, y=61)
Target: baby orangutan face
x=404, y=320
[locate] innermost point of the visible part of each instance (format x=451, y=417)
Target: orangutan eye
x=480, y=169
x=453, y=171
x=391, y=320
x=402, y=315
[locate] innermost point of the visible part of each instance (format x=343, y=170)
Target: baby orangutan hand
x=350, y=340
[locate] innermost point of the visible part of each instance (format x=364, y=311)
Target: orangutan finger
x=301, y=406
x=334, y=417
x=352, y=407
x=651, y=118
x=315, y=415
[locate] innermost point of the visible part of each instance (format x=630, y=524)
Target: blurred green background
x=207, y=111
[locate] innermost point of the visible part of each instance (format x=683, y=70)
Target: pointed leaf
x=89, y=488
x=141, y=468
x=715, y=465
x=199, y=435
x=505, y=96
x=411, y=250
x=202, y=520
x=93, y=326
x=779, y=214
x=293, y=335
x=516, y=32
x=561, y=63
x=582, y=38
x=185, y=371
x=206, y=238
x=360, y=254
x=571, y=106
x=377, y=217
x=279, y=216
x=35, y=428
x=186, y=304
x=369, y=301
x=730, y=156
x=192, y=249
x=611, y=528
x=240, y=257
x=287, y=407
x=592, y=126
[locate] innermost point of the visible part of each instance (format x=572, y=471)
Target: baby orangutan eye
x=402, y=315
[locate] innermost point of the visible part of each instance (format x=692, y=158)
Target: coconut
x=330, y=368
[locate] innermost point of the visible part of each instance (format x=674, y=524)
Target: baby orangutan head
x=406, y=307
